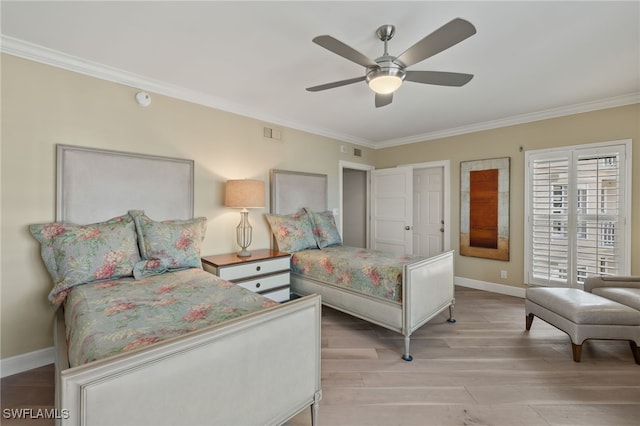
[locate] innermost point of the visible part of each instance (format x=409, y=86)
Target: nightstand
x=266, y=272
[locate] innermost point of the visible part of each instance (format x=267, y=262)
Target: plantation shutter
x=550, y=219
x=576, y=214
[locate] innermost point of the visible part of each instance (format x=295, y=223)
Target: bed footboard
x=427, y=288
x=430, y=286
x=260, y=369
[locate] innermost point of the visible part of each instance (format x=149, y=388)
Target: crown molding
x=37, y=53
x=632, y=98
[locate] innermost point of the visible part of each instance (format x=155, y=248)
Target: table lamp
x=244, y=194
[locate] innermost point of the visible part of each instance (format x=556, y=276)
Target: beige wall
x=43, y=106
x=600, y=126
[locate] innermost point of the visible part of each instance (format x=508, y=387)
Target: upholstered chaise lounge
x=608, y=308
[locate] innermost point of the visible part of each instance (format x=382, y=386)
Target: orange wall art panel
x=484, y=208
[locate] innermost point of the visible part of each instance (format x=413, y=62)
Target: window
x=577, y=206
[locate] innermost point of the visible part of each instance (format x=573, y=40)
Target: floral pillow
x=45, y=233
x=325, y=230
x=174, y=243
x=292, y=232
x=148, y=268
x=77, y=254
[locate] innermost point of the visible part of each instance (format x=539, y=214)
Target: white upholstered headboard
x=94, y=185
x=290, y=191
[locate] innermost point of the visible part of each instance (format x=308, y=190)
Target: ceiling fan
x=385, y=74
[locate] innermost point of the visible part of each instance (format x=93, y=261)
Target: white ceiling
x=530, y=60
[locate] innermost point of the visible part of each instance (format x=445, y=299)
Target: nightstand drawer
x=266, y=272
x=252, y=269
x=266, y=283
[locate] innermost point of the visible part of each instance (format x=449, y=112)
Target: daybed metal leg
x=314, y=408
x=451, y=318
x=407, y=356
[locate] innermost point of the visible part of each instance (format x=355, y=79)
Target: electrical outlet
x=503, y=274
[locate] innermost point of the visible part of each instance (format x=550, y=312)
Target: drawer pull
x=257, y=285
x=257, y=268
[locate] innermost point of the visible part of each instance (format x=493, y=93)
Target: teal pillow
x=292, y=232
x=148, y=268
x=45, y=233
x=325, y=230
x=175, y=243
x=78, y=254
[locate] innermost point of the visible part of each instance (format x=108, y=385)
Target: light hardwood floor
x=483, y=370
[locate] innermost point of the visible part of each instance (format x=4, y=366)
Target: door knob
x=407, y=228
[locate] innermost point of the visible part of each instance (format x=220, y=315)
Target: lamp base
x=243, y=253
x=243, y=234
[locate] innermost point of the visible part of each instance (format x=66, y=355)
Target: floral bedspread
x=110, y=317
x=371, y=272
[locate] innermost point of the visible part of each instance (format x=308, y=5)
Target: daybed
x=259, y=366
x=425, y=286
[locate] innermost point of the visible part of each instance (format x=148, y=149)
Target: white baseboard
x=19, y=363
x=509, y=290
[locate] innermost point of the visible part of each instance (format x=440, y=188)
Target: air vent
x=270, y=133
x=357, y=152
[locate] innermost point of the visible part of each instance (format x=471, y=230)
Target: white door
x=428, y=211
x=391, y=209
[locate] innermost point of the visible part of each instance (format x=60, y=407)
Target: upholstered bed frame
x=221, y=375
x=427, y=285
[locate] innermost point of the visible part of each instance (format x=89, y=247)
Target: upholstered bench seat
x=584, y=316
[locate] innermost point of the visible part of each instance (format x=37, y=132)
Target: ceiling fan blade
x=439, y=78
x=441, y=39
x=339, y=48
x=335, y=84
x=382, y=100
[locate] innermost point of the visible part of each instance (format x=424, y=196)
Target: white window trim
x=625, y=268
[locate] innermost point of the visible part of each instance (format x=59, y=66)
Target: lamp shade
x=244, y=193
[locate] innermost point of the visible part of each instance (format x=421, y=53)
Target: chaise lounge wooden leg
x=577, y=351
x=635, y=351
x=528, y=320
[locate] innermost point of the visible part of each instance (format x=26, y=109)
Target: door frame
x=446, y=194
x=355, y=166
x=446, y=188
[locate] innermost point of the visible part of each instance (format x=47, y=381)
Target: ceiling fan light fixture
x=385, y=80
x=385, y=84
